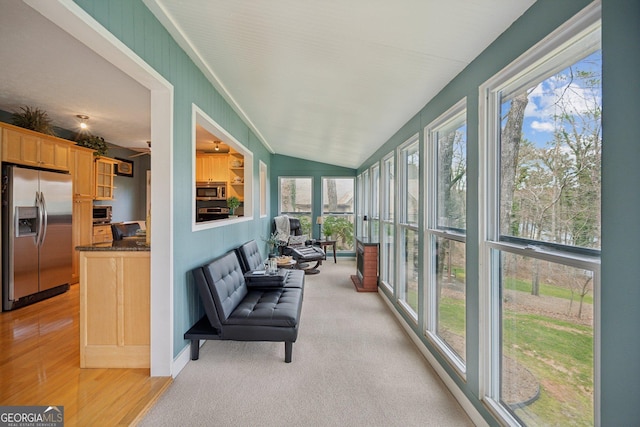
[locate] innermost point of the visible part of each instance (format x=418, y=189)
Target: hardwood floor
x=40, y=365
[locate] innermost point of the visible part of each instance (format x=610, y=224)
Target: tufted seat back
x=250, y=257
x=225, y=281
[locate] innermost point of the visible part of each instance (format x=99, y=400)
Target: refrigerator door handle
x=39, y=225
x=45, y=218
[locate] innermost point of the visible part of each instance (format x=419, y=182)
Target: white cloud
x=542, y=126
x=554, y=96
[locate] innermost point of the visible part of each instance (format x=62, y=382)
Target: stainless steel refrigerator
x=36, y=235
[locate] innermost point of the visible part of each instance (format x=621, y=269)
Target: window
x=296, y=195
x=409, y=191
x=445, y=234
x=338, y=211
x=219, y=161
x=387, y=228
x=374, y=211
x=264, y=179
x=359, y=206
x=366, y=197
x=541, y=217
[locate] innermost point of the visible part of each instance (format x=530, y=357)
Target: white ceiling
x=329, y=81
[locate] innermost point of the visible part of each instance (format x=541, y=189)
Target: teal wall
x=620, y=306
x=620, y=295
x=286, y=166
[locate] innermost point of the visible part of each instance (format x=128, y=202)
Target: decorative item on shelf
x=319, y=221
x=124, y=167
x=236, y=164
x=237, y=180
x=34, y=119
x=232, y=203
x=96, y=143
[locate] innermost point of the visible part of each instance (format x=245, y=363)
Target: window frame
x=291, y=213
x=198, y=116
x=323, y=213
x=433, y=231
x=403, y=226
x=387, y=219
x=550, y=55
x=264, y=189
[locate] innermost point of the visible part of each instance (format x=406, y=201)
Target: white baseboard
x=462, y=399
x=182, y=359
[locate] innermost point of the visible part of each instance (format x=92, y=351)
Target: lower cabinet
x=82, y=231
x=114, y=309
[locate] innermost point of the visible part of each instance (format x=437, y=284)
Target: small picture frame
x=124, y=167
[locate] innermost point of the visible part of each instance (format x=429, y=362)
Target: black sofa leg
x=288, y=350
x=195, y=349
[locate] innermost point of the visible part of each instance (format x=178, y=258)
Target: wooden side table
x=324, y=243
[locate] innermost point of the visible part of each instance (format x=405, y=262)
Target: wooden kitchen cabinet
x=29, y=148
x=82, y=234
x=102, y=233
x=82, y=218
x=212, y=167
x=104, y=172
x=114, y=309
x=82, y=172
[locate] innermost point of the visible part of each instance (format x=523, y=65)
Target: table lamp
x=319, y=221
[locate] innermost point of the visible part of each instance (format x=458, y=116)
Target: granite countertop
x=128, y=244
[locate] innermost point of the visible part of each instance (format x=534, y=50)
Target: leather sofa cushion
x=268, y=308
x=226, y=283
x=250, y=257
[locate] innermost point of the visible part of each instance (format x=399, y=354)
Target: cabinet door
x=54, y=155
x=82, y=225
x=82, y=172
x=19, y=147
x=201, y=160
x=104, y=179
x=219, y=168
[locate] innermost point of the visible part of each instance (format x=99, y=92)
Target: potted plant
x=274, y=242
x=34, y=119
x=233, y=203
x=96, y=143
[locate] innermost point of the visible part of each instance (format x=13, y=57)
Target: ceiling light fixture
x=217, y=147
x=83, y=121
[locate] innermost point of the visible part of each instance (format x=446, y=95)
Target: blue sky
x=543, y=104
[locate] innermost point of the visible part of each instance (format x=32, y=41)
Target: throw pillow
x=297, y=241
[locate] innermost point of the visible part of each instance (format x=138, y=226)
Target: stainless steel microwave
x=102, y=214
x=211, y=191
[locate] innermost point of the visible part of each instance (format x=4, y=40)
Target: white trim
x=183, y=358
x=262, y=165
x=462, y=399
x=74, y=20
x=183, y=41
x=198, y=116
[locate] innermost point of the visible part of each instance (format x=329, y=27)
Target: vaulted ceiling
x=329, y=81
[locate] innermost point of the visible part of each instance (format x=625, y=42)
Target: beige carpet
x=352, y=366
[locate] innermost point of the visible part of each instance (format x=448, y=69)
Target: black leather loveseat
x=235, y=311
